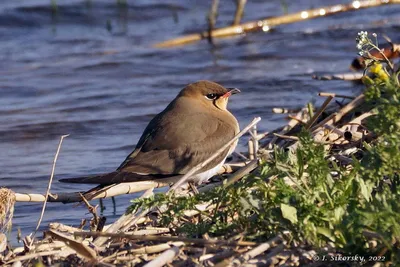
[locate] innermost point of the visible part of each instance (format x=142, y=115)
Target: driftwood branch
x=267, y=24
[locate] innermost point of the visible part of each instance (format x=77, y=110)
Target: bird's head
x=209, y=93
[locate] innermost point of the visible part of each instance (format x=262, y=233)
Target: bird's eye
x=211, y=96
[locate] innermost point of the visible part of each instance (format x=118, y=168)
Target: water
x=90, y=71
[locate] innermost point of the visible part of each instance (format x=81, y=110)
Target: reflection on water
x=87, y=69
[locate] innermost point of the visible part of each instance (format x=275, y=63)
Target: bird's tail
x=119, y=177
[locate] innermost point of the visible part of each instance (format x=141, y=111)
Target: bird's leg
x=114, y=205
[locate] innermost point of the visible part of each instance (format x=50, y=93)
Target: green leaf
x=365, y=189
x=339, y=212
x=326, y=232
x=289, y=213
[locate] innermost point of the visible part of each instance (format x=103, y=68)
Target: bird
x=186, y=133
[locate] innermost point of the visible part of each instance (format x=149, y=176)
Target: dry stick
x=34, y=255
x=325, y=94
x=289, y=137
x=319, y=112
x=257, y=250
x=239, y=11
x=266, y=24
x=169, y=238
x=212, y=19
x=241, y=172
x=292, y=123
x=297, y=119
x=344, y=76
x=249, y=167
x=255, y=140
x=164, y=258
x=250, y=146
x=219, y=151
x=119, y=189
x=49, y=185
x=284, y=110
x=335, y=117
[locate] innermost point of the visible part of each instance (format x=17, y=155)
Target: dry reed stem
x=239, y=11
x=33, y=255
x=297, y=119
x=119, y=189
x=325, y=94
x=289, y=137
x=266, y=24
x=336, y=117
x=292, y=123
x=53, y=168
x=7, y=201
x=343, y=76
x=257, y=250
x=319, y=112
x=165, y=257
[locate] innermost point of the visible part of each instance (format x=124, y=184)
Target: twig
x=335, y=117
x=344, y=76
x=292, y=123
x=239, y=11
x=241, y=172
x=325, y=94
x=119, y=189
x=319, y=112
x=34, y=255
x=212, y=19
x=219, y=151
x=294, y=138
x=250, y=147
x=165, y=257
x=257, y=250
x=49, y=185
x=297, y=119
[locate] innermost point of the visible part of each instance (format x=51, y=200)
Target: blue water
x=89, y=70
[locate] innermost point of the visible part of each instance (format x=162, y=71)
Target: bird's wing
x=174, y=148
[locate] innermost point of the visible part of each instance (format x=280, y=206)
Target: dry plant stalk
x=49, y=185
x=7, y=201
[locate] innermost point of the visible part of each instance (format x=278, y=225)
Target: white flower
x=362, y=39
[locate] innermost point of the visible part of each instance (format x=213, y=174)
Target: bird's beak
x=231, y=91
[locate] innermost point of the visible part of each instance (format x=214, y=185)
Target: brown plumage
x=187, y=132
